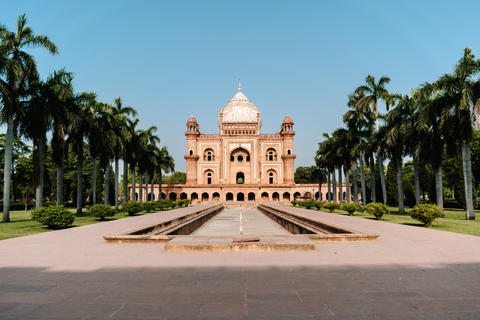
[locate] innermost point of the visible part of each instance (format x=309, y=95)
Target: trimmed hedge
x=308, y=204
x=351, y=207
x=54, y=217
x=331, y=206
x=101, y=211
x=377, y=209
x=426, y=213
x=132, y=207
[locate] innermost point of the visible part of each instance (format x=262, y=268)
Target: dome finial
x=239, y=87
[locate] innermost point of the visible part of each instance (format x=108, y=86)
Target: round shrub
x=54, y=217
x=165, y=204
x=331, y=206
x=149, y=206
x=351, y=207
x=182, y=203
x=318, y=205
x=101, y=211
x=132, y=207
x=294, y=203
x=426, y=213
x=378, y=209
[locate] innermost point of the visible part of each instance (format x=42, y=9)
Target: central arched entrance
x=240, y=196
x=240, y=178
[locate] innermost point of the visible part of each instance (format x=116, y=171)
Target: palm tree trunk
x=106, y=186
x=372, y=180
x=329, y=187
x=147, y=179
x=355, y=183
x=140, y=192
x=416, y=177
x=467, y=177
x=382, y=178
x=94, y=182
x=160, y=181
x=151, y=188
x=116, y=182
x=334, y=183
x=7, y=170
x=362, y=178
x=134, y=183
x=439, y=186
x=125, y=181
x=60, y=170
x=41, y=172
x=347, y=185
x=340, y=183
x=80, y=179
x=401, y=207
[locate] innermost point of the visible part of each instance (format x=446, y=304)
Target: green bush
x=132, y=207
x=149, y=206
x=165, y=204
x=318, y=205
x=351, y=207
x=331, y=206
x=54, y=217
x=426, y=213
x=101, y=211
x=378, y=209
x=182, y=203
x=294, y=203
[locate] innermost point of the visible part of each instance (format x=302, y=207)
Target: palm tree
x=360, y=126
x=146, y=155
x=166, y=163
x=432, y=133
x=461, y=92
x=79, y=127
x=396, y=129
x=18, y=69
x=130, y=158
x=122, y=135
x=62, y=100
x=372, y=92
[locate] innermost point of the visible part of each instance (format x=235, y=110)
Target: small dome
x=287, y=120
x=192, y=120
x=240, y=109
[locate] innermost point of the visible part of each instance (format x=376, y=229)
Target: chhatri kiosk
x=240, y=164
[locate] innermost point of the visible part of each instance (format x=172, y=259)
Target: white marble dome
x=239, y=109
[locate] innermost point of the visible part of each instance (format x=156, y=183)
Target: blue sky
x=173, y=59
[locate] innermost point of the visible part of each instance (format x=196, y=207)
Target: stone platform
x=407, y=273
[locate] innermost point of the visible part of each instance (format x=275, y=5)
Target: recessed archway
x=216, y=196
x=251, y=196
x=229, y=196
x=296, y=195
x=204, y=196
x=265, y=196
x=240, y=178
x=194, y=196
x=286, y=196
x=172, y=196
x=164, y=196
x=240, y=196
x=275, y=196
x=183, y=196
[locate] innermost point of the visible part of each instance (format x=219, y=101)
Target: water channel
x=238, y=221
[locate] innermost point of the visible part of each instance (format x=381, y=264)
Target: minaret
x=193, y=131
x=288, y=157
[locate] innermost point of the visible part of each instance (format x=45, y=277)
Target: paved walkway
x=408, y=273
x=231, y=222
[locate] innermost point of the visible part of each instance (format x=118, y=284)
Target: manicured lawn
x=22, y=225
x=454, y=220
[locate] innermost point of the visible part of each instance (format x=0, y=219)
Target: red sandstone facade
x=240, y=163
